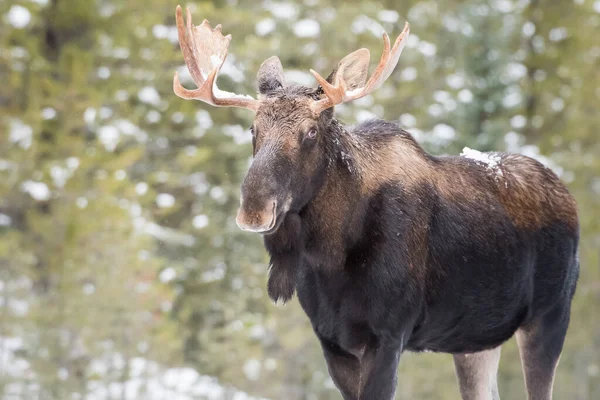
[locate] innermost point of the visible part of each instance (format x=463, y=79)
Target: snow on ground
x=147, y=380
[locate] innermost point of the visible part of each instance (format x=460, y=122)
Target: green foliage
x=118, y=199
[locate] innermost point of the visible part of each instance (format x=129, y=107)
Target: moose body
x=442, y=254
x=390, y=248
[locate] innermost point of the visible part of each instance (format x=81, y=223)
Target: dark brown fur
x=390, y=248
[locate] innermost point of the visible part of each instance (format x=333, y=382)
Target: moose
x=387, y=247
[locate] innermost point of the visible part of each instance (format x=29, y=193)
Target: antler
x=204, y=50
x=338, y=93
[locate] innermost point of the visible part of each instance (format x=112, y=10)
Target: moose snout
x=259, y=220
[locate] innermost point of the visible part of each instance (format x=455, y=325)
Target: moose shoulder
x=390, y=248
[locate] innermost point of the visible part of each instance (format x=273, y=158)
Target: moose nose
x=260, y=221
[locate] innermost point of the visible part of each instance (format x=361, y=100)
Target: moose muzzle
x=259, y=220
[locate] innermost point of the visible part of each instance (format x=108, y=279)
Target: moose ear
x=353, y=69
x=270, y=75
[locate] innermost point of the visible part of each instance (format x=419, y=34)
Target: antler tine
x=204, y=50
x=337, y=92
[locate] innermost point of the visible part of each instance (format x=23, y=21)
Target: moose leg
x=344, y=369
x=540, y=344
x=379, y=372
x=477, y=374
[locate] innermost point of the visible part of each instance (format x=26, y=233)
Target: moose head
x=293, y=128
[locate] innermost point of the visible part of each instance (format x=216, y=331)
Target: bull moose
x=390, y=248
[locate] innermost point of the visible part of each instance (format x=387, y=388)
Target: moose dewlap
x=390, y=248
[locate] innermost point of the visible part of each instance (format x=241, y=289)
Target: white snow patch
x=597, y=6
x=366, y=101
x=128, y=128
x=103, y=72
x=6, y=165
x=163, y=233
x=408, y=120
x=557, y=104
x=252, y=369
x=512, y=99
x=149, y=95
x=165, y=32
x=5, y=220
x=105, y=112
x=558, y=34
x=18, y=16
x=223, y=94
x=153, y=117
x=307, y=28
x=20, y=133
x=435, y=110
x=504, y=6
x=48, y=113
x=281, y=10
x=327, y=14
x=81, y=202
x=513, y=141
x=89, y=115
x=109, y=136
x=141, y=188
x=427, y=49
x=215, y=274
x=177, y=117
x=364, y=115
x=257, y=332
x=72, y=163
x=465, y=96
x=59, y=175
x=229, y=68
x=490, y=160
x=217, y=193
x=451, y=23
x=408, y=74
x=362, y=23
x=444, y=132
x=120, y=53
x=18, y=307
x=37, y=190
x=265, y=26
x=518, y=121
x=167, y=275
x=389, y=16
x=238, y=133
x=200, y=221
x=165, y=200
x=203, y=119
x=88, y=288
x=455, y=81
x=441, y=96
x=516, y=71
x=534, y=152
x=413, y=41
x=121, y=95
x=528, y=29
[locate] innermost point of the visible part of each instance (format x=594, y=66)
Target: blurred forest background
x=122, y=272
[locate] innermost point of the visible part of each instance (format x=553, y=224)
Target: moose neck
x=333, y=218
x=358, y=164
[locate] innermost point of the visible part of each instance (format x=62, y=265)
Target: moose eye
x=312, y=134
